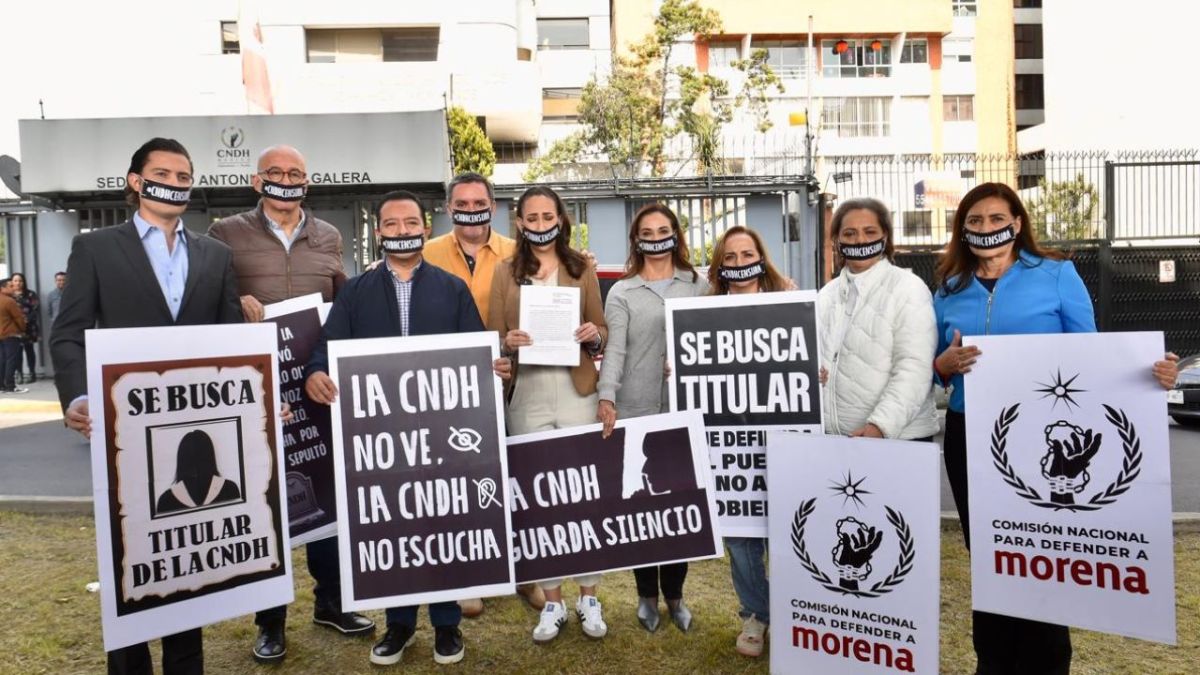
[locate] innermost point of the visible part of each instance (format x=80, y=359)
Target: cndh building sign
x=92, y=155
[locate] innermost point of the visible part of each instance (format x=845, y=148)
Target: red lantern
x=876, y=45
x=840, y=47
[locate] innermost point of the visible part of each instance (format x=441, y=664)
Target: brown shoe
x=533, y=595
x=471, y=608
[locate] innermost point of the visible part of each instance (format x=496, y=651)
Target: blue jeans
x=440, y=614
x=747, y=561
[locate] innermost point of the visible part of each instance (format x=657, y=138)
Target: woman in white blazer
x=878, y=334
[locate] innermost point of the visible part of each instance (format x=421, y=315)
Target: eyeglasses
x=276, y=175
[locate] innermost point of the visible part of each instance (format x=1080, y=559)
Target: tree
x=469, y=146
x=630, y=116
x=1065, y=210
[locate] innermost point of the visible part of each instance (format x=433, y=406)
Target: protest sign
x=307, y=439
x=855, y=554
x=1068, y=462
x=582, y=504
x=421, y=472
x=186, y=450
x=750, y=364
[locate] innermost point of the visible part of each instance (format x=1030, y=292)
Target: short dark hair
x=137, y=163
x=470, y=177
x=399, y=196
x=60, y=274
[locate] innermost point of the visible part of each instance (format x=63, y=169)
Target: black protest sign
x=308, y=456
x=746, y=361
x=421, y=466
x=583, y=504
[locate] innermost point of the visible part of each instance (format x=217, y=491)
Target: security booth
x=72, y=176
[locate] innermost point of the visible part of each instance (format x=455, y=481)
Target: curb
x=39, y=505
x=16, y=405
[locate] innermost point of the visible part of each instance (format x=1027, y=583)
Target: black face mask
x=410, y=244
x=471, y=218
x=284, y=193
x=167, y=194
x=541, y=238
x=745, y=272
x=862, y=251
x=991, y=239
x=656, y=246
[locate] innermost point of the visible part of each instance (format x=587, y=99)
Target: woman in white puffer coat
x=878, y=334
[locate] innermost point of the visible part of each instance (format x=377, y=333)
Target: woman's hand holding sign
x=957, y=358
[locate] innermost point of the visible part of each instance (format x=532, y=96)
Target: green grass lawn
x=52, y=625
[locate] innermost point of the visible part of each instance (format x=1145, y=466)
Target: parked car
x=1183, y=402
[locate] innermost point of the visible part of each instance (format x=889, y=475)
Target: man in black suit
x=403, y=296
x=146, y=272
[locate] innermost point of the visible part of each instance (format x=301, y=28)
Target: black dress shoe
x=346, y=623
x=647, y=613
x=271, y=644
x=447, y=644
x=389, y=650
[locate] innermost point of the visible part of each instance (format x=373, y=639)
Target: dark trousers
x=182, y=654
x=668, y=578
x=323, y=566
x=440, y=614
x=10, y=361
x=29, y=348
x=1004, y=645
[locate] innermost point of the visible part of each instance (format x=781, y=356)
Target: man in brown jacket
x=12, y=327
x=282, y=251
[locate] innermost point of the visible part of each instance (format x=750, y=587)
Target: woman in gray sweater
x=633, y=378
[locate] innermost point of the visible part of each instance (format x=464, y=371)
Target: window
x=958, y=108
x=859, y=116
x=786, y=57
x=561, y=104
x=950, y=220
x=964, y=7
x=350, y=45
x=859, y=60
x=722, y=54
x=1030, y=92
x=562, y=92
x=957, y=50
x=515, y=153
x=563, y=34
x=918, y=224
x=230, y=44
x=410, y=44
x=915, y=51
x=1027, y=38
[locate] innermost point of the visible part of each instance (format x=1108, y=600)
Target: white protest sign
x=1068, y=463
x=750, y=364
x=186, y=455
x=855, y=554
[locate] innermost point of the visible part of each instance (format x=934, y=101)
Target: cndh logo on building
x=233, y=154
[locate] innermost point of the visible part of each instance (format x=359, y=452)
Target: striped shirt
x=403, y=296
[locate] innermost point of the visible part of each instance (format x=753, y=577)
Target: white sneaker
x=750, y=640
x=552, y=619
x=591, y=616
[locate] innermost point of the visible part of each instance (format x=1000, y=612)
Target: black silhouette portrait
x=668, y=466
x=197, y=481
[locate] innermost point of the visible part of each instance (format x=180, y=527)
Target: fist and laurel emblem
x=857, y=543
x=1067, y=454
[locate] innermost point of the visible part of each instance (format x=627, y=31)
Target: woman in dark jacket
x=28, y=300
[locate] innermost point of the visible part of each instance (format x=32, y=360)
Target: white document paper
x=550, y=314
